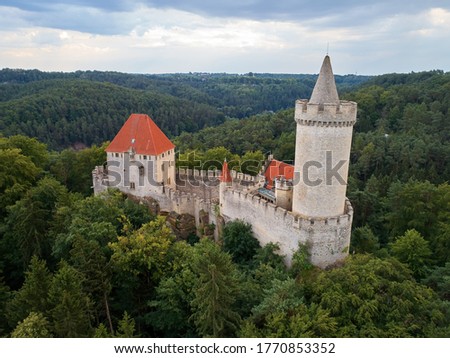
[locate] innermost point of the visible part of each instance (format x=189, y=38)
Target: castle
x=288, y=205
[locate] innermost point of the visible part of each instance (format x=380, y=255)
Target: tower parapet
x=325, y=114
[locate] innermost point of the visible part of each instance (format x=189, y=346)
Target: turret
x=322, y=150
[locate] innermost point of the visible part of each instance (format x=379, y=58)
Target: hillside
x=62, y=113
x=85, y=108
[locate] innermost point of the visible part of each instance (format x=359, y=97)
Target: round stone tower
x=322, y=149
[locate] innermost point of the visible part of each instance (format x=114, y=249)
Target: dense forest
x=84, y=108
x=75, y=265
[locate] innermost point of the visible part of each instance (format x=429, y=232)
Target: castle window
x=145, y=157
x=132, y=185
x=141, y=170
x=117, y=155
x=163, y=155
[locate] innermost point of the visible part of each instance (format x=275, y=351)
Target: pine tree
x=214, y=293
x=71, y=307
x=34, y=326
x=33, y=295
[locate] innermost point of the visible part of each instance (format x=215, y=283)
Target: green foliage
x=251, y=162
x=88, y=258
x=301, y=261
x=213, y=312
x=144, y=251
x=363, y=241
x=71, y=307
x=17, y=174
x=101, y=332
x=126, y=327
x=34, y=326
x=30, y=219
x=4, y=297
x=238, y=240
x=79, y=113
x=29, y=147
x=268, y=255
x=371, y=297
x=412, y=249
x=171, y=307
x=424, y=207
x=439, y=281
x=33, y=295
x=74, y=168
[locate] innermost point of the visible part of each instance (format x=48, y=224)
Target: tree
x=88, y=258
x=412, y=249
x=29, y=147
x=283, y=313
x=30, y=219
x=139, y=262
x=17, y=173
x=213, y=312
x=35, y=325
x=363, y=241
x=71, y=307
x=238, y=240
x=171, y=309
x=126, y=327
x=214, y=158
x=144, y=251
x=439, y=281
x=373, y=297
x=4, y=297
x=251, y=162
x=301, y=261
x=33, y=295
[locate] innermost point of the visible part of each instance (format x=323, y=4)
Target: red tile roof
x=226, y=176
x=142, y=134
x=277, y=168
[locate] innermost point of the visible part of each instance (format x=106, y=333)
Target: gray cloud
x=97, y=16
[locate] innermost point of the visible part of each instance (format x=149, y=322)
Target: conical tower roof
x=325, y=89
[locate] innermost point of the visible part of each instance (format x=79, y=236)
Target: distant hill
x=87, y=107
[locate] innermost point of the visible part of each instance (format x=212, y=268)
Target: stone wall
x=328, y=239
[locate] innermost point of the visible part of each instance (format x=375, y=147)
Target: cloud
x=249, y=35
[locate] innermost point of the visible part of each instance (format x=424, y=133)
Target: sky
x=367, y=37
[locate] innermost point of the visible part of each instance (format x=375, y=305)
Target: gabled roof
x=226, y=176
x=325, y=89
x=276, y=169
x=141, y=134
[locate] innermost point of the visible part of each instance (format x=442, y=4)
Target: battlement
x=325, y=115
x=202, y=174
x=297, y=221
